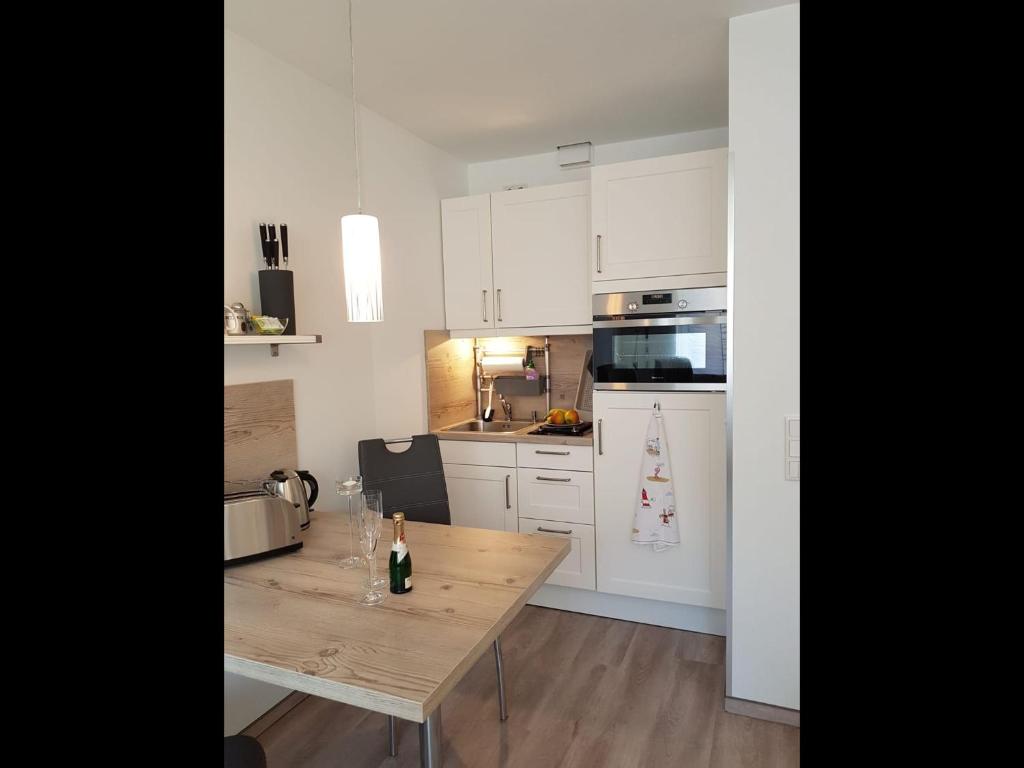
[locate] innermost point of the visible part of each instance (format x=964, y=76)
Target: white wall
x=288, y=157
x=537, y=170
x=764, y=136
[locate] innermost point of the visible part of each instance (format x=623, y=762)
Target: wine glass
x=376, y=498
x=351, y=487
x=371, y=519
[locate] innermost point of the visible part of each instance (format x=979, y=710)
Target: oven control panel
x=663, y=303
x=657, y=298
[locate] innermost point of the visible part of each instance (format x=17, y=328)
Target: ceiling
x=486, y=79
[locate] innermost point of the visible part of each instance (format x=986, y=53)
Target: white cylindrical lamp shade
x=360, y=250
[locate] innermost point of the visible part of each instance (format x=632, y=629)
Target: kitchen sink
x=489, y=426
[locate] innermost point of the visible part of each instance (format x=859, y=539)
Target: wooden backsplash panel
x=451, y=379
x=451, y=382
x=259, y=430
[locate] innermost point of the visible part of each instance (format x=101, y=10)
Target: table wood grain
x=295, y=620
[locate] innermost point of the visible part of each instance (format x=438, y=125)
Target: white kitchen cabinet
x=577, y=569
x=692, y=572
x=554, y=494
x=659, y=216
x=466, y=248
x=540, y=245
x=527, y=487
x=556, y=498
x=482, y=497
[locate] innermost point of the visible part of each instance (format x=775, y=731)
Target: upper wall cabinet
x=659, y=217
x=540, y=240
x=466, y=247
x=517, y=259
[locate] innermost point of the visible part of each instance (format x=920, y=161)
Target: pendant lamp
x=360, y=236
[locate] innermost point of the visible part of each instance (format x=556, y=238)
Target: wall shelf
x=273, y=341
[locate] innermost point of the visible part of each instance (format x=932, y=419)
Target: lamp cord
x=355, y=124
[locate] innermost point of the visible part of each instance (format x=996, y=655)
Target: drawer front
x=556, y=494
x=482, y=454
x=577, y=570
x=577, y=457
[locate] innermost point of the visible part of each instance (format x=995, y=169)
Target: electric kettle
x=290, y=484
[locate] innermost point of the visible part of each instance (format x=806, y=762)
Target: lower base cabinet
x=572, y=491
x=530, y=488
x=692, y=572
x=482, y=497
x=577, y=570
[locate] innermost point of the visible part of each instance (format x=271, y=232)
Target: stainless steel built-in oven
x=660, y=340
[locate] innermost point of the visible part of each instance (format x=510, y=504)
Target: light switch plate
x=792, y=459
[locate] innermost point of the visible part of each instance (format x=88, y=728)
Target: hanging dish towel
x=655, y=522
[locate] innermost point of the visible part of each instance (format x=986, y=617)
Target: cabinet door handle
x=600, y=449
x=556, y=479
x=554, y=453
x=485, y=304
x=508, y=504
x=599, y=254
x=553, y=530
x=499, y=305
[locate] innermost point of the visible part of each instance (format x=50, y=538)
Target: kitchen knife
x=265, y=243
x=284, y=244
x=272, y=230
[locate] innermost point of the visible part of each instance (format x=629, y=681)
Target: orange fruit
x=557, y=418
x=572, y=417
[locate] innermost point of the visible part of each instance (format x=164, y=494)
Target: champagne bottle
x=400, y=564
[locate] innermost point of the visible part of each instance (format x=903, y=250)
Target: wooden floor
x=582, y=691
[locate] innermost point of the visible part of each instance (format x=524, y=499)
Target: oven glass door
x=660, y=353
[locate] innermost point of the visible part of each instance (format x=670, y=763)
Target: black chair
x=412, y=482
x=243, y=752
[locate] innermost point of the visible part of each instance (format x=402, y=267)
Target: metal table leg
x=430, y=741
x=502, y=706
x=392, y=745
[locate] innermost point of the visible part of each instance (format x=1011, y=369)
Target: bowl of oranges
x=561, y=417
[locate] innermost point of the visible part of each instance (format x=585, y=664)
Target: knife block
x=277, y=296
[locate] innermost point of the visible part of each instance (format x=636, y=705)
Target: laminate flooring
x=583, y=692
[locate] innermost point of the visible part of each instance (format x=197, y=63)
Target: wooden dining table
x=295, y=620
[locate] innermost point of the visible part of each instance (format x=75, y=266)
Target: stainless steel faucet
x=506, y=406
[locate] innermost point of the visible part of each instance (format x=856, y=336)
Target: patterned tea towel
x=655, y=522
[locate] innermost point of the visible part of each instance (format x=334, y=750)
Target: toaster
x=259, y=524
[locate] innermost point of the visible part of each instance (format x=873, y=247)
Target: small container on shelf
x=237, y=320
x=269, y=326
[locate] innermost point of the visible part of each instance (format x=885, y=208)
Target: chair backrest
x=411, y=481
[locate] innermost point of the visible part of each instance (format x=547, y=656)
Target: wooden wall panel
x=259, y=430
x=451, y=382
